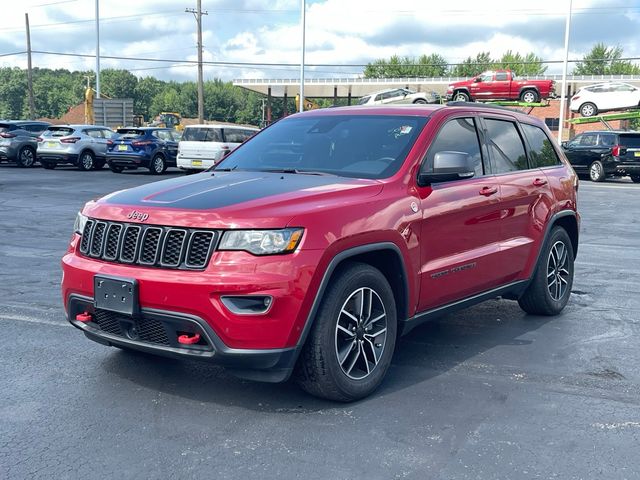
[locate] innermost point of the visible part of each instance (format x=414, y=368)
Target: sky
x=248, y=37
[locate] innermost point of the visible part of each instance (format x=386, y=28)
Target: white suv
x=202, y=146
x=399, y=95
x=605, y=96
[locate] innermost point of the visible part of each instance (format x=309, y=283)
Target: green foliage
x=473, y=66
x=603, y=60
x=146, y=90
x=13, y=87
x=433, y=65
x=528, y=64
x=117, y=83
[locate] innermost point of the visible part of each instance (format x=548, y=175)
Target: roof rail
x=480, y=105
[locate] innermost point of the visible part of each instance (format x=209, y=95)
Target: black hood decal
x=213, y=190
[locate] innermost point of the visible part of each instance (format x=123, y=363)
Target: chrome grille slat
x=148, y=245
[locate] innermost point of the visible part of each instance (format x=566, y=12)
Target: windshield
x=356, y=146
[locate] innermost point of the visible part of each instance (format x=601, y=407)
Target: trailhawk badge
x=136, y=215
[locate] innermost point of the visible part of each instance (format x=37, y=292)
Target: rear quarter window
x=632, y=141
x=541, y=153
x=505, y=145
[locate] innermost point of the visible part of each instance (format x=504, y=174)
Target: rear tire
x=99, y=165
x=588, y=109
x=26, y=157
x=421, y=101
x=158, y=165
x=86, y=161
x=635, y=178
x=529, y=96
x=550, y=287
x=352, y=341
x=48, y=165
x=596, y=171
x=116, y=168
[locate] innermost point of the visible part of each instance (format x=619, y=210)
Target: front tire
x=596, y=171
x=86, y=161
x=116, y=168
x=420, y=101
x=353, y=338
x=588, y=110
x=550, y=287
x=157, y=165
x=461, y=97
x=26, y=157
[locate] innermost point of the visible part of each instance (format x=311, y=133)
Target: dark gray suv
x=18, y=141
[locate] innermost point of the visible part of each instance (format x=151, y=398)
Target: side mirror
x=564, y=144
x=478, y=79
x=448, y=166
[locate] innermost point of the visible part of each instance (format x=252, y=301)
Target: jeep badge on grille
x=136, y=215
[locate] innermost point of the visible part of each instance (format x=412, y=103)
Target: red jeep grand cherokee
x=318, y=242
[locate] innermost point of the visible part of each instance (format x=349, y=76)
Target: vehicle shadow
x=425, y=353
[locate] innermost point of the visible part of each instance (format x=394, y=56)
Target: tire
x=86, y=161
x=461, y=97
x=543, y=297
x=529, y=96
x=116, y=168
x=48, y=165
x=421, y=101
x=26, y=157
x=99, y=165
x=588, y=109
x=335, y=333
x=158, y=165
x=635, y=178
x=596, y=172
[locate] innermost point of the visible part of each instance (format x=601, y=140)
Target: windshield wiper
x=300, y=172
x=225, y=169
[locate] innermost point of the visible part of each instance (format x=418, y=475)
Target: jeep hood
x=231, y=199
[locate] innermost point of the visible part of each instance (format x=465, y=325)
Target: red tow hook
x=189, y=340
x=84, y=317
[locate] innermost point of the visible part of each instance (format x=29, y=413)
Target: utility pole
x=97, y=48
x=302, y=25
x=567, y=28
x=198, y=14
x=32, y=104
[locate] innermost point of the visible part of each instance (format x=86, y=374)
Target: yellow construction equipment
x=308, y=104
x=168, y=120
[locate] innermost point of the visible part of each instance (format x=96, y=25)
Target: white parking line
x=23, y=318
x=609, y=185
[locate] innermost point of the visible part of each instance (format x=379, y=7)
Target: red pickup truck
x=500, y=85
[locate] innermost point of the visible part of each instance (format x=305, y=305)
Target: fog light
x=247, y=304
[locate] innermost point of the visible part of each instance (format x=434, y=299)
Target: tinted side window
x=505, y=145
x=202, y=134
x=459, y=135
x=35, y=127
x=501, y=76
x=94, y=133
x=542, y=151
x=589, y=140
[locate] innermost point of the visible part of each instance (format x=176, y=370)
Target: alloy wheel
x=595, y=171
x=27, y=158
x=361, y=333
x=529, y=97
x=87, y=161
x=558, y=273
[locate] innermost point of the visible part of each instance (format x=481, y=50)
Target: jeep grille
x=148, y=245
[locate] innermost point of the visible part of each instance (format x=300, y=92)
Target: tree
x=146, y=89
x=473, y=66
x=530, y=64
x=13, y=90
x=118, y=83
x=433, y=65
x=603, y=60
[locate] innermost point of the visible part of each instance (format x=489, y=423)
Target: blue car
x=148, y=147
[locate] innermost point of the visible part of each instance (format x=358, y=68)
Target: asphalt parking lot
x=487, y=393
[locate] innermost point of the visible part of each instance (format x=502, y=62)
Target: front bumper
x=156, y=331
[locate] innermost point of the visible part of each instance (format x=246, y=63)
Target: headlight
x=78, y=226
x=262, y=242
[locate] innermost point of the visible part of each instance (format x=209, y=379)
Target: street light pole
x=302, y=24
x=567, y=27
x=97, y=48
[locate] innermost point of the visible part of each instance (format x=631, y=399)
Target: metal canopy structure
x=358, y=87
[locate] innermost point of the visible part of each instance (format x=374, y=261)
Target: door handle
x=539, y=182
x=486, y=191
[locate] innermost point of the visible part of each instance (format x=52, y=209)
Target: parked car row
x=90, y=147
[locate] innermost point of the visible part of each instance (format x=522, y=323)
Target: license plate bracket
x=116, y=294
